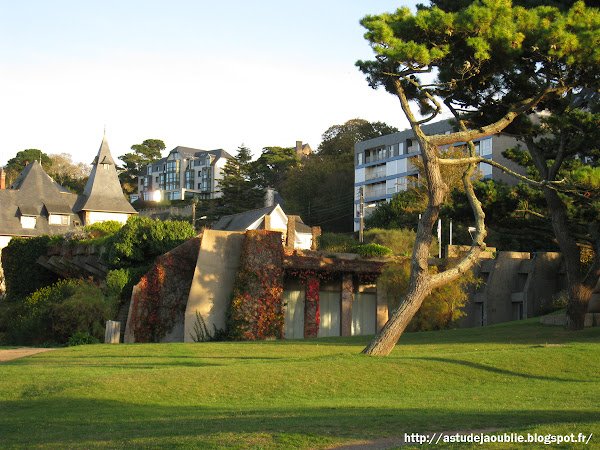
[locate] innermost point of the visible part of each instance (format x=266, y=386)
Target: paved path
x=9, y=355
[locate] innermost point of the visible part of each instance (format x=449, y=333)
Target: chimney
x=269, y=197
x=299, y=152
x=2, y=178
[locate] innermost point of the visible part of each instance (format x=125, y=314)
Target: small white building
x=270, y=218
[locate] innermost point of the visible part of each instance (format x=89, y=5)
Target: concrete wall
x=514, y=286
x=212, y=285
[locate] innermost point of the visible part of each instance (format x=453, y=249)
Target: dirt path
x=9, y=355
x=398, y=441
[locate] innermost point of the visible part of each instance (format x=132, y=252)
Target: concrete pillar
x=112, y=335
x=291, y=233
x=347, y=301
x=382, y=309
x=311, y=307
x=316, y=232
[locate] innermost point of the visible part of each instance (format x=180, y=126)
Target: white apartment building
x=384, y=166
x=184, y=173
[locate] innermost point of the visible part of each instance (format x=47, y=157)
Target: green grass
x=522, y=376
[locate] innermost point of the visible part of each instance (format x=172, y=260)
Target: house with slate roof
x=296, y=234
x=35, y=204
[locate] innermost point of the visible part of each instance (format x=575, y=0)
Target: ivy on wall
x=163, y=292
x=256, y=309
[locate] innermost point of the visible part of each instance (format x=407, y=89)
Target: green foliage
x=556, y=303
x=239, y=185
x=82, y=338
x=272, y=166
x=142, y=239
x=143, y=154
x=339, y=243
x=16, y=164
x=201, y=334
x=321, y=189
x=402, y=211
x=373, y=250
x=440, y=309
x=400, y=241
x=21, y=272
x=55, y=312
x=339, y=140
x=86, y=310
x=120, y=282
x=100, y=229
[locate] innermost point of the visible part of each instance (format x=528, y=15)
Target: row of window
x=483, y=147
x=29, y=222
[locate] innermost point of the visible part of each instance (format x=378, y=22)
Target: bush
x=332, y=242
x=400, y=241
x=81, y=338
x=21, y=272
x=142, y=239
x=440, y=310
x=54, y=313
x=101, y=229
x=372, y=250
x=120, y=282
x=85, y=310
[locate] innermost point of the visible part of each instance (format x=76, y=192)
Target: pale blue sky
x=202, y=74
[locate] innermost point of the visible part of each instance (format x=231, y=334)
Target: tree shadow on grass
x=91, y=422
x=493, y=369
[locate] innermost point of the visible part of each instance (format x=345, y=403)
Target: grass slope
x=521, y=376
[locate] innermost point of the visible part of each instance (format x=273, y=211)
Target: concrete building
x=385, y=165
x=184, y=173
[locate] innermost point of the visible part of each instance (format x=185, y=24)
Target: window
x=28, y=221
x=359, y=159
x=149, y=169
x=189, y=179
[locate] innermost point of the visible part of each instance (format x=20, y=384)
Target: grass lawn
x=521, y=377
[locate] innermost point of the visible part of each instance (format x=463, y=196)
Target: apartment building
x=385, y=165
x=184, y=173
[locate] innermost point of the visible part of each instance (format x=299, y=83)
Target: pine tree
x=239, y=185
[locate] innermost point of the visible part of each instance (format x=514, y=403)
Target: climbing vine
x=256, y=310
x=162, y=293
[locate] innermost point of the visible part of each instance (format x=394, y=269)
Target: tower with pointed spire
x=103, y=197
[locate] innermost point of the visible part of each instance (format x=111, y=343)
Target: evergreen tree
x=239, y=185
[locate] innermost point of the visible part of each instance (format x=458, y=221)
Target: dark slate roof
x=241, y=221
x=103, y=191
x=30, y=195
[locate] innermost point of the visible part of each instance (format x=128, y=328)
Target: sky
x=204, y=74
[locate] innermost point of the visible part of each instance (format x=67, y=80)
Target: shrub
x=21, y=272
x=400, y=241
x=85, y=310
x=142, y=239
x=440, y=310
x=120, y=282
x=372, y=250
x=81, y=338
x=332, y=242
x=54, y=313
x=101, y=229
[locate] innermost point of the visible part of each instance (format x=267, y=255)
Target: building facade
x=385, y=165
x=184, y=173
